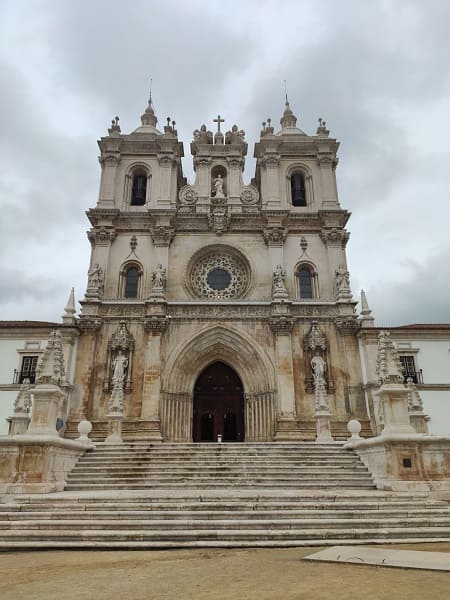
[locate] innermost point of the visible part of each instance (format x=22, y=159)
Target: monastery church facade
x=218, y=308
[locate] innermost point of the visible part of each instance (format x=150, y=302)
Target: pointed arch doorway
x=218, y=405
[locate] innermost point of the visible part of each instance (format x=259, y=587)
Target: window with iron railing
x=409, y=369
x=27, y=370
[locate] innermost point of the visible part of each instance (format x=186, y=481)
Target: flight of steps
x=211, y=495
x=206, y=466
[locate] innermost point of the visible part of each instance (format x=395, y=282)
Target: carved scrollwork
x=347, y=323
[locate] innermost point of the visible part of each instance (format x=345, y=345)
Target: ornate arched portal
x=218, y=405
x=237, y=351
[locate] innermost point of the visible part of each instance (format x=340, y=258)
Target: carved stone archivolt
x=187, y=199
x=275, y=236
x=120, y=349
x=162, y=235
x=101, y=236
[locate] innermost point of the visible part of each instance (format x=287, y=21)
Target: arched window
x=139, y=189
x=307, y=282
x=298, y=189
x=131, y=282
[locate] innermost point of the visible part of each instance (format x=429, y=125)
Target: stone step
x=217, y=485
x=396, y=515
x=143, y=525
x=177, y=536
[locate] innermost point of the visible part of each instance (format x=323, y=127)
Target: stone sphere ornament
x=84, y=429
x=354, y=428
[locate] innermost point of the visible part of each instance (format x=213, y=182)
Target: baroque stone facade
x=247, y=277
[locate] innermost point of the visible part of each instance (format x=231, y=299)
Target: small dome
x=289, y=123
x=148, y=120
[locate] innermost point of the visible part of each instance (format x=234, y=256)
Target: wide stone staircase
x=139, y=495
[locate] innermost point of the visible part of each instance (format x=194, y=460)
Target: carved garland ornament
x=220, y=275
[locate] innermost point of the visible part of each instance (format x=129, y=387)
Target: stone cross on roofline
x=219, y=120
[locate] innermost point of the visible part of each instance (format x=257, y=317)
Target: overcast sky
x=377, y=71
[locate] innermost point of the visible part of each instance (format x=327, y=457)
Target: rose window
x=219, y=276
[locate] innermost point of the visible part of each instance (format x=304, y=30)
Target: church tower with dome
x=218, y=309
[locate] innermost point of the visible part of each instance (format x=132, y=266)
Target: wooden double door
x=218, y=405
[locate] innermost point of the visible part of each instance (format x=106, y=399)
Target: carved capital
x=89, y=325
x=348, y=323
x=235, y=161
x=334, y=236
x=202, y=161
x=167, y=159
x=162, y=235
x=101, y=236
x=111, y=159
x=156, y=323
x=282, y=325
x=270, y=160
x=275, y=236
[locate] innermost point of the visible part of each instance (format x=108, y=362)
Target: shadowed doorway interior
x=218, y=405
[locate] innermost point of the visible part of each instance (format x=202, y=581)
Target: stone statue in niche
x=218, y=187
x=120, y=365
x=318, y=368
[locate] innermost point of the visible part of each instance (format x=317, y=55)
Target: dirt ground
x=263, y=574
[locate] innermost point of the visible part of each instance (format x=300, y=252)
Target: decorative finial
x=322, y=129
x=285, y=92
x=366, y=314
x=115, y=127
x=68, y=317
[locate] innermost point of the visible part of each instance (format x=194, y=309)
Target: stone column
x=162, y=235
x=327, y=164
x=282, y=326
x=109, y=162
x=270, y=163
x=155, y=326
x=335, y=240
x=275, y=236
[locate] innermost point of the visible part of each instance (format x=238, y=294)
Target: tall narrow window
x=409, y=369
x=298, y=190
x=139, y=190
x=131, y=283
x=306, y=283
